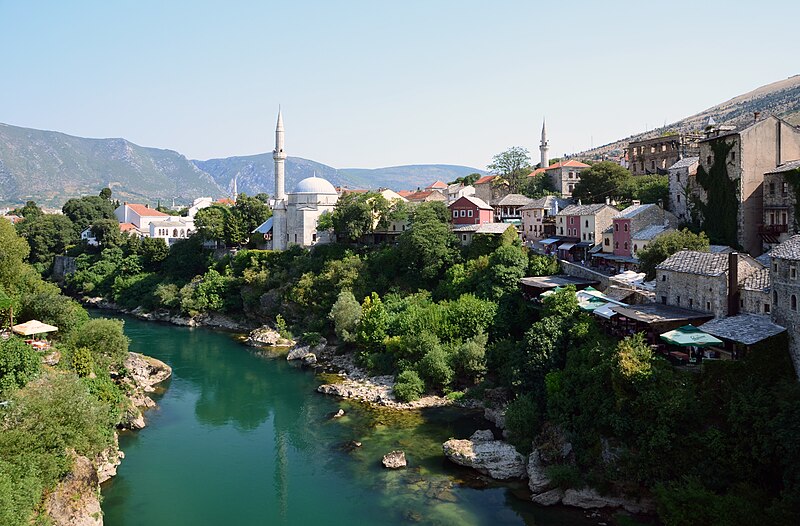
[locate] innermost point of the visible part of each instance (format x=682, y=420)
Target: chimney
x=733, y=284
x=579, y=202
x=756, y=115
x=635, y=202
x=608, y=200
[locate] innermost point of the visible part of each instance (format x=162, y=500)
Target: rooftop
x=633, y=211
x=514, y=200
x=658, y=313
x=143, y=210
x=551, y=282
x=437, y=185
x=743, y=328
x=480, y=203
x=706, y=263
x=572, y=163
x=786, y=167
x=651, y=232
x=685, y=163
x=485, y=179
x=545, y=202
x=789, y=249
x=485, y=228
x=758, y=281
x=583, y=210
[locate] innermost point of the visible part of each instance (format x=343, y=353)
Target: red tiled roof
x=537, y=172
x=146, y=211
x=226, y=201
x=405, y=193
x=569, y=164
x=14, y=219
x=485, y=179
x=126, y=227
x=419, y=196
x=438, y=184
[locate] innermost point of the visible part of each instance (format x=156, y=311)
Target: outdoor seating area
x=37, y=330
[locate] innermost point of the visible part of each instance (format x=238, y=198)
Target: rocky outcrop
x=144, y=373
x=394, y=460
x=310, y=359
x=549, y=498
x=495, y=458
x=301, y=351
x=107, y=461
x=266, y=336
x=588, y=498
x=76, y=499
x=538, y=481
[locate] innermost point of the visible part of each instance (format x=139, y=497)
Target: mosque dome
x=315, y=185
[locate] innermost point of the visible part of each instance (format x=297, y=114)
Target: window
x=774, y=296
x=584, y=236
x=663, y=300
x=664, y=277
x=469, y=213
x=708, y=305
x=626, y=227
x=616, y=244
x=793, y=272
x=774, y=267
x=464, y=237
x=708, y=160
x=314, y=237
x=733, y=156
x=607, y=242
x=794, y=302
x=663, y=147
x=635, y=248
x=677, y=300
x=771, y=188
x=691, y=302
x=587, y=223
x=626, y=245
x=679, y=178
x=678, y=196
x=766, y=308
x=616, y=227
x=785, y=187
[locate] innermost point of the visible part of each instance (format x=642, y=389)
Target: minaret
x=543, y=148
x=280, y=235
x=235, y=188
x=279, y=156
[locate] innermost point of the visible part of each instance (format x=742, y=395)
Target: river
x=242, y=438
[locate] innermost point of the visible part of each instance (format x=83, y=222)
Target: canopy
x=549, y=241
x=33, y=327
x=591, y=303
x=605, y=311
x=566, y=246
x=690, y=336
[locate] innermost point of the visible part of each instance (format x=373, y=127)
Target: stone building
x=780, y=221
x=730, y=178
x=703, y=281
x=425, y=196
x=655, y=156
x=786, y=292
x=638, y=224
x=680, y=175
x=755, y=293
x=507, y=209
x=563, y=175
x=538, y=217
x=490, y=189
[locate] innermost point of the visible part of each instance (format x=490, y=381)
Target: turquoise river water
x=240, y=438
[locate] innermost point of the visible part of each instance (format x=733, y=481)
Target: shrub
x=409, y=386
x=55, y=309
x=564, y=476
x=282, y=327
x=81, y=361
x=19, y=363
x=312, y=338
x=105, y=339
x=523, y=423
x=346, y=314
x=435, y=368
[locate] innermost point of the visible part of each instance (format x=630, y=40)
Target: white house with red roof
x=140, y=216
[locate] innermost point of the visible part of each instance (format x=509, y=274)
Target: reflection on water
x=241, y=438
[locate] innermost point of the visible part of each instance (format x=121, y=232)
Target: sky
x=381, y=83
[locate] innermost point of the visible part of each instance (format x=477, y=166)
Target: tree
x=373, y=324
x=85, y=211
x=105, y=339
x=105, y=193
x=668, y=244
x=19, y=363
x=353, y=217
x=48, y=235
x=467, y=180
x=409, y=386
x=647, y=188
x=513, y=167
x=210, y=222
x=429, y=247
x=30, y=211
x=55, y=309
x=601, y=180
x=12, y=256
x=346, y=315
x=107, y=232
x=251, y=212
x=154, y=252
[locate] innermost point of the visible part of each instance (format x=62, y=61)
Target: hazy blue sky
x=368, y=84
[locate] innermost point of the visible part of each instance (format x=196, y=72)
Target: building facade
x=655, y=156
x=785, y=281
x=780, y=221
x=470, y=211
x=680, y=177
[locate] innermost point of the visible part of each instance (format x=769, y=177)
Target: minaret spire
x=279, y=215
x=279, y=156
x=544, y=146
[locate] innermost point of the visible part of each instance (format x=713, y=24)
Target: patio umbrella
x=690, y=336
x=33, y=327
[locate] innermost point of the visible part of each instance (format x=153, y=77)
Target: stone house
x=780, y=220
x=425, y=196
x=786, y=292
x=637, y=225
x=490, y=188
x=655, y=156
x=680, y=175
x=456, y=190
x=507, y=209
x=742, y=157
x=470, y=210
x=563, y=175
x=703, y=281
x=538, y=217
x=755, y=293
x=585, y=225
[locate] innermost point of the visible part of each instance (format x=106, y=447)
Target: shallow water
x=241, y=438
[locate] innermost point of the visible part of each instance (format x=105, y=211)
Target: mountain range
x=50, y=167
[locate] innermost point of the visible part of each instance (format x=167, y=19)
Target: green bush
x=312, y=338
x=105, y=339
x=435, y=369
x=564, y=476
x=409, y=386
x=346, y=315
x=19, y=364
x=81, y=361
x=523, y=422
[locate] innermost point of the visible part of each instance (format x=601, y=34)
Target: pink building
x=468, y=210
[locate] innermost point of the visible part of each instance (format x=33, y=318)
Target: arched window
x=175, y=232
x=626, y=245
x=183, y=233
x=626, y=227
x=616, y=244
x=635, y=248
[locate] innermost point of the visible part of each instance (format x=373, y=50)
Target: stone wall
x=679, y=183
x=577, y=271
x=63, y=266
x=754, y=301
x=784, y=286
x=693, y=291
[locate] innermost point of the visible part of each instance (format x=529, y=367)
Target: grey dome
x=314, y=185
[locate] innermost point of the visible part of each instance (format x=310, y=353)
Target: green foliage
x=107, y=232
x=635, y=359
x=720, y=212
x=539, y=265
x=668, y=244
x=86, y=211
x=167, y=295
x=469, y=360
x=429, y=247
x=105, y=340
x=513, y=167
x=346, y=315
x=48, y=236
x=12, y=257
x=646, y=188
x=523, y=422
x=601, y=180
x=564, y=476
x=312, y=338
x=19, y=364
x=209, y=292
x=409, y=386
x=81, y=361
x=210, y=222
x=54, y=309
x=373, y=324
x=356, y=215
x=282, y=327
x=435, y=368
x=45, y=420
x=154, y=252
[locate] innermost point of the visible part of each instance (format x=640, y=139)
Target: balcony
x=773, y=229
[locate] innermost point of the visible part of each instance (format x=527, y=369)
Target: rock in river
x=394, y=460
x=495, y=458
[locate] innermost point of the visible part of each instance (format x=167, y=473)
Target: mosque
x=295, y=216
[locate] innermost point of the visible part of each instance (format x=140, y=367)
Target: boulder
x=394, y=460
x=339, y=413
x=310, y=359
x=495, y=458
x=496, y=415
x=133, y=419
x=263, y=336
x=298, y=353
x=538, y=481
x=75, y=500
x=549, y=498
x=482, y=435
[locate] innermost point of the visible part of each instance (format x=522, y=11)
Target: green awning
x=589, y=305
x=690, y=336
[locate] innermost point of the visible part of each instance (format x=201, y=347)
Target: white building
x=172, y=229
x=140, y=216
x=294, y=217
